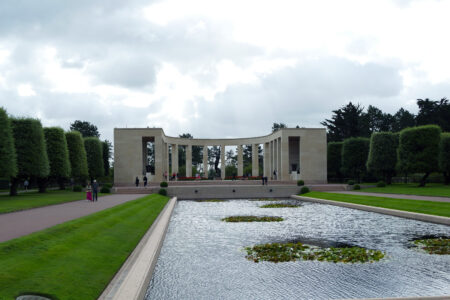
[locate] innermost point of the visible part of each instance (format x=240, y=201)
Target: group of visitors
x=92, y=191
x=144, y=179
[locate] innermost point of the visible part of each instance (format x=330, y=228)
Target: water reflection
x=202, y=257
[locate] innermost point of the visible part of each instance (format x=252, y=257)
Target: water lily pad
x=252, y=219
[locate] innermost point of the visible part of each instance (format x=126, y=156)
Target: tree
x=418, y=150
x=376, y=121
x=334, y=159
x=77, y=156
x=354, y=156
x=383, y=154
x=403, y=119
x=230, y=171
x=434, y=112
x=346, y=122
x=8, y=159
x=278, y=126
x=106, y=148
x=444, y=156
x=85, y=128
x=214, y=158
x=32, y=159
x=58, y=154
x=94, y=155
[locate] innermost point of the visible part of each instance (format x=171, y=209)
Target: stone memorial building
x=290, y=153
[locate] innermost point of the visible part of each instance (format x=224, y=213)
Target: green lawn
x=431, y=189
x=76, y=259
x=34, y=199
x=424, y=207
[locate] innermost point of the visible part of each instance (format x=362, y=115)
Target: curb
x=386, y=211
x=132, y=280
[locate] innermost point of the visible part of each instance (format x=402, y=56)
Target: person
x=25, y=184
x=137, y=181
x=266, y=179
x=262, y=178
x=145, y=181
x=95, y=191
x=88, y=193
x=274, y=174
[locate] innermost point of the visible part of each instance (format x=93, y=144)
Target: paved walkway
x=20, y=223
x=397, y=196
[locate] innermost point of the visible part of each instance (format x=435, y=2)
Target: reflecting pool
x=203, y=257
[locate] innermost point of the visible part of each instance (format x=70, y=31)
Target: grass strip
x=418, y=206
x=431, y=189
x=76, y=259
x=252, y=219
x=35, y=199
x=279, y=205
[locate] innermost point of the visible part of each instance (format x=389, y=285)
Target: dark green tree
x=403, y=119
x=354, y=156
x=334, y=159
x=418, y=150
x=8, y=162
x=383, y=154
x=106, y=148
x=375, y=120
x=77, y=157
x=434, y=112
x=278, y=126
x=85, y=128
x=94, y=155
x=444, y=156
x=58, y=155
x=32, y=159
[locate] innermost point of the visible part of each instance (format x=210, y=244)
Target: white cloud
x=25, y=90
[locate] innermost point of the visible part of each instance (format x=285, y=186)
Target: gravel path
x=20, y=223
x=397, y=196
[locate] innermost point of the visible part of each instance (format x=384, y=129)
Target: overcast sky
x=218, y=68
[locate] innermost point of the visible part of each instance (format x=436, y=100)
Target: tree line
x=30, y=152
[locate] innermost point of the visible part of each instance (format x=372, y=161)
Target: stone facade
x=292, y=153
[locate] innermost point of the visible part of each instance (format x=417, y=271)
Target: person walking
x=137, y=181
x=88, y=193
x=25, y=184
x=95, y=191
x=145, y=181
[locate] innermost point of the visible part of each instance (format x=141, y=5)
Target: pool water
x=203, y=257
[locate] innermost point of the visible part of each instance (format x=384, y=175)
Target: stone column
x=189, y=161
x=266, y=160
x=275, y=159
x=167, y=161
x=284, y=158
x=205, y=161
x=174, y=158
x=159, y=154
x=279, y=173
x=255, y=165
x=240, y=167
x=222, y=161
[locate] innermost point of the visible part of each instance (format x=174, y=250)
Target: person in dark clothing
x=95, y=191
x=137, y=181
x=145, y=181
x=262, y=178
x=265, y=180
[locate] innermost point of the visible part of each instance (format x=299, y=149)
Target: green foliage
x=105, y=190
x=77, y=188
x=230, y=171
x=357, y=187
x=300, y=182
x=32, y=159
x=58, y=154
x=278, y=252
x=279, y=205
x=278, y=126
x=85, y=128
x=334, y=159
x=381, y=184
x=252, y=219
x=94, y=155
x=162, y=192
x=77, y=156
x=106, y=148
x=8, y=162
x=164, y=184
x=418, y=150
x=444, y=156
x=434, y=112
x=354, y=156
x=351, y=182
x=304, y=190
x=439, y=246
x=383, y=154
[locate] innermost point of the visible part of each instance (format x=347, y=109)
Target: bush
x=351, y=182
x=300, y=182
x=357, y=187
x=107, y=185
x=77, y=188
x=162, y=192
x=105, y=190
x=163, y=184
x=354, y=157
x=304, y=190
x=381, y=184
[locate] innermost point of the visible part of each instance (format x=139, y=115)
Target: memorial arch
x=293, y=153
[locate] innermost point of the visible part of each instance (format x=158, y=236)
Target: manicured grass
x=424, y=207
x=34, y=199
x=76, y=259
x=431, y=189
